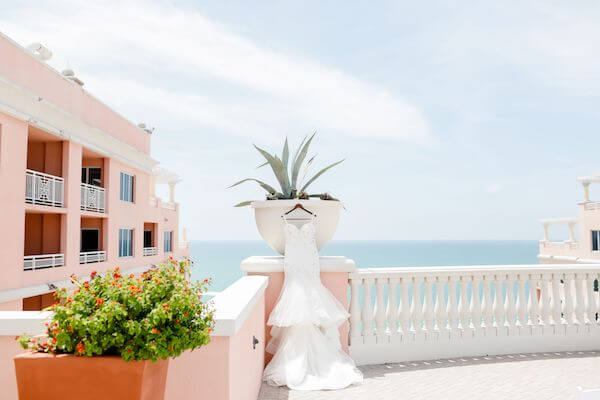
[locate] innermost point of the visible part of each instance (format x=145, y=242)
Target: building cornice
x=27, y=106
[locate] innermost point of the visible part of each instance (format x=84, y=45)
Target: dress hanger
x=298, y=206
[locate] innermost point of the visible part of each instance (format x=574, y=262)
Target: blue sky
x=458, y=120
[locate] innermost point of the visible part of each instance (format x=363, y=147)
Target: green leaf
x=311, y=180
x=270, y=189
x=278, y=169
x=243, y=204
x=286, y=154
x=299, y=160
x=262, y=165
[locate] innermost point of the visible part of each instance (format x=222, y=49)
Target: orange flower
x=86, y=284
x=155, y=331
x=93, y=274
x=131, y=276
x=70, y=329
x=80, y=348
x=99, y=301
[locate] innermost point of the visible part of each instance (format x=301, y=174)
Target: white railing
x=88, y=257
x=404, y=314
x=560, y=245
x=591, y=205
x=149, y=251
x=43, y=189
x=168, y=205
x=93, y=198
x=43, y=261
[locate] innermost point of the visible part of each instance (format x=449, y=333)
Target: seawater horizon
x=220, y=259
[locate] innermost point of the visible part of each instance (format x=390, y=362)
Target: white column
x=571, y=231
x=586, y=191
x=546, y=225
x=172, y=192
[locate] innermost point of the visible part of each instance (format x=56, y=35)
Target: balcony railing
x=31, y=263
x=591, y=205
x=44, y=189
x=89, y=257
x=149, y=251
x=93, y=198
x=407, y=314
x=168, y=205
x=560, y=245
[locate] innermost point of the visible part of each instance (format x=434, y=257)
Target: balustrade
x=399, y=314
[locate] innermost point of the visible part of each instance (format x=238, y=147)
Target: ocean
x=220, y=260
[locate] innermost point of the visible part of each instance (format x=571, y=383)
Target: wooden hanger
x=298, y=206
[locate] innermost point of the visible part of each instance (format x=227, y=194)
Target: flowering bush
x=153, y=316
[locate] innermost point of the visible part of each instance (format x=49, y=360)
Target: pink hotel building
x=77, y=184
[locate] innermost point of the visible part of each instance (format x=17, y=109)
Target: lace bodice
x=301, y=254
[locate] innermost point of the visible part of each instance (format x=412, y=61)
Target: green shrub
x=156, y=315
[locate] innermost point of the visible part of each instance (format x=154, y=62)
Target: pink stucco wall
x=336, y=282
x=20, y=67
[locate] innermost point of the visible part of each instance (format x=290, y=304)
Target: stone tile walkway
x=539, y=376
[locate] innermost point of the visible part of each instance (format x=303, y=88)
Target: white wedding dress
x=305, y=342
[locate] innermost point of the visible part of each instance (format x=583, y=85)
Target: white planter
x=269, y=221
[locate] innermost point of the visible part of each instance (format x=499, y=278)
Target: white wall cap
x=163, y=175
x=234, y=304
x=275, y=264
x=15, y=323
x=589, y=179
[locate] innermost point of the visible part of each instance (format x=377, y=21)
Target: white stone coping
x=15, y=323
x=563, y=220
x=275, y=264
x=234, y=304
x=569, y=259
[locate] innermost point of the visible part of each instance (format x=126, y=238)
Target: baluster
x=392, y=307
x=522, y=300
x=592, y=305
x=452, y=309
x=441, y=313
x=380, y=309
x=404, y=315
x=568, y=308
x=355, y=334
x=580, y=302
x=533, y=306
x=545, y=299
x=367, y=312
x=428, y=306
x=463, y=304
x=499, y=305
x=476, y=303
x=488, y=311
x=556, y=302
x=417, y=310
x=511, y=311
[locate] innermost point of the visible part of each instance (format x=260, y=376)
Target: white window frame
x=126, y=180
x=168, y=241
x=596, y=233
x=126, y=243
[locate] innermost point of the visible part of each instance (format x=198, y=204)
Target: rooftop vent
x=69, y=74
x=145, y=128
x=39, y=51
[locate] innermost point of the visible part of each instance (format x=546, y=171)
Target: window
x=91, y=176
x=127, y=185
x=595, y=240
x=90, y=240
x=125, y=242
x=148, y=239
x=168, y=242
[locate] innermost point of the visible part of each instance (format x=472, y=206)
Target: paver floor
x=537, y=376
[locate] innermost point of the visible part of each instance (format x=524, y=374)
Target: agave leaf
x=306, y=168
x=311, y=180
x=243, y=204
x=270, y=189
x=286, y=154
x=278, y=169
x=262, y=165
x=299, y=160
x=298, y=149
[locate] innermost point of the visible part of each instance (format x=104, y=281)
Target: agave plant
x=289, y=173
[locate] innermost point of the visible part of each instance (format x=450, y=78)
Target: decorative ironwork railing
x=93, y=198
x=44, y=189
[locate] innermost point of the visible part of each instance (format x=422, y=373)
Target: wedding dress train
x=305, y=341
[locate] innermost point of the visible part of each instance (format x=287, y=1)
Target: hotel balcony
x=44, y=184
x=150, y=248
x=43, y=241
x=92, y=240
x=93, y=192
